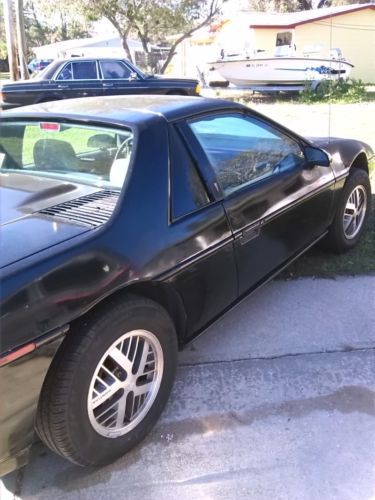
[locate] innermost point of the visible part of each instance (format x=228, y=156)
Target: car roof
x=123, y=109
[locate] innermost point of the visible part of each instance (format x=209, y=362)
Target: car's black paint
x=196, y=266
x=47, y=87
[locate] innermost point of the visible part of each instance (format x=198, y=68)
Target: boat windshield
x=284, y=38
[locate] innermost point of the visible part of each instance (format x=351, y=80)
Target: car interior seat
x=53, y=154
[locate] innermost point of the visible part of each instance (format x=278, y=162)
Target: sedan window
x=82, y=70
x=114, y=69
x=85, y=70
x=243, y=150
x=66, y=73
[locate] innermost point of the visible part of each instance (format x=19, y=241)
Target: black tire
x=337, y=239
x=63, y=417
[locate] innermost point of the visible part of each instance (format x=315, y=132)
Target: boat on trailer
x=284, y=67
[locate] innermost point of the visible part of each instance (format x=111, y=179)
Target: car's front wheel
x=108, y=383
x=352, y=212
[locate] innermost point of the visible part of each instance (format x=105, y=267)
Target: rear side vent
x=91, y=210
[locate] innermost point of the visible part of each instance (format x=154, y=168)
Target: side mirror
x=316, y=156
x=133, y=76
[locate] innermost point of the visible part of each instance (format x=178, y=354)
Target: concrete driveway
x=275, y=401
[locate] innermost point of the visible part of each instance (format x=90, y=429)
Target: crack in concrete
x=346, y=350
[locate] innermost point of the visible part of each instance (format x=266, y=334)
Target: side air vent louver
x=91, y=210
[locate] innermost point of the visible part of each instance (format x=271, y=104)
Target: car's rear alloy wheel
x=352, y=212
x=125, y=383
x=109, y=381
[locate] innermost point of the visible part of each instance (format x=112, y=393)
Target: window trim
x=203, y=162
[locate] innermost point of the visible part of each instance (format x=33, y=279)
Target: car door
x=78, y=79
x=201, y=245
x=119, y=78
x=276, y=205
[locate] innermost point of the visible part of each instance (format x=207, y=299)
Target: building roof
x=293, y=19
x=77, y=43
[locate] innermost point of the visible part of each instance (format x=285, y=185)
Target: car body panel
x=20, y=385
x=204, y=258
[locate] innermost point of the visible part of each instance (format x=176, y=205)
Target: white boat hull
x=280, y=70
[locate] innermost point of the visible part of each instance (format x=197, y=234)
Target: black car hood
x=24, y=228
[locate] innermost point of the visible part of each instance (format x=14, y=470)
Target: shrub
x=346, y=91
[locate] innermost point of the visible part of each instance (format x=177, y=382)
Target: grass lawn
x=4, y=76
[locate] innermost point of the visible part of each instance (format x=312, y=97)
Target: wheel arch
x=360, y=162
x=163, y=294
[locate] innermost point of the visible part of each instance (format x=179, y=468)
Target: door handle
x=249, y=234
x=63, y=86
x=107, y=85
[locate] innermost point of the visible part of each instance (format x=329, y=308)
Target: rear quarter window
x=188, y=192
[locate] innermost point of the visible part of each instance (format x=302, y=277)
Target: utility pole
x=21, y=43
x=10, y=34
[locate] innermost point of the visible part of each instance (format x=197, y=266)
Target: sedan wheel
x=109, y=382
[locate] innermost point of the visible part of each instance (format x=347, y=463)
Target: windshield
x=80, y=153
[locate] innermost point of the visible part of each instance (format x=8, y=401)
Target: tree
x=152, y=21
x=46, y=23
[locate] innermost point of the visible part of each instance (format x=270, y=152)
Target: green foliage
x=48, y=23
x=152, y=21
x=334, y=91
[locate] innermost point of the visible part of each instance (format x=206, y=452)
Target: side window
x=85, y=70
x=187, y=190
x=114, y=70
x=243, y=150
x=66, y=73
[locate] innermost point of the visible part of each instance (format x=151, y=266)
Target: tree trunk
x=123, y=34
x=21, y=43
x=126, y=47
x=10, y=39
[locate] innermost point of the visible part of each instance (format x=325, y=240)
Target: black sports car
x=128, y=225
x=85, y=77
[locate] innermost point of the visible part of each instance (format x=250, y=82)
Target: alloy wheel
x=354, y=212
x=125, y=383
